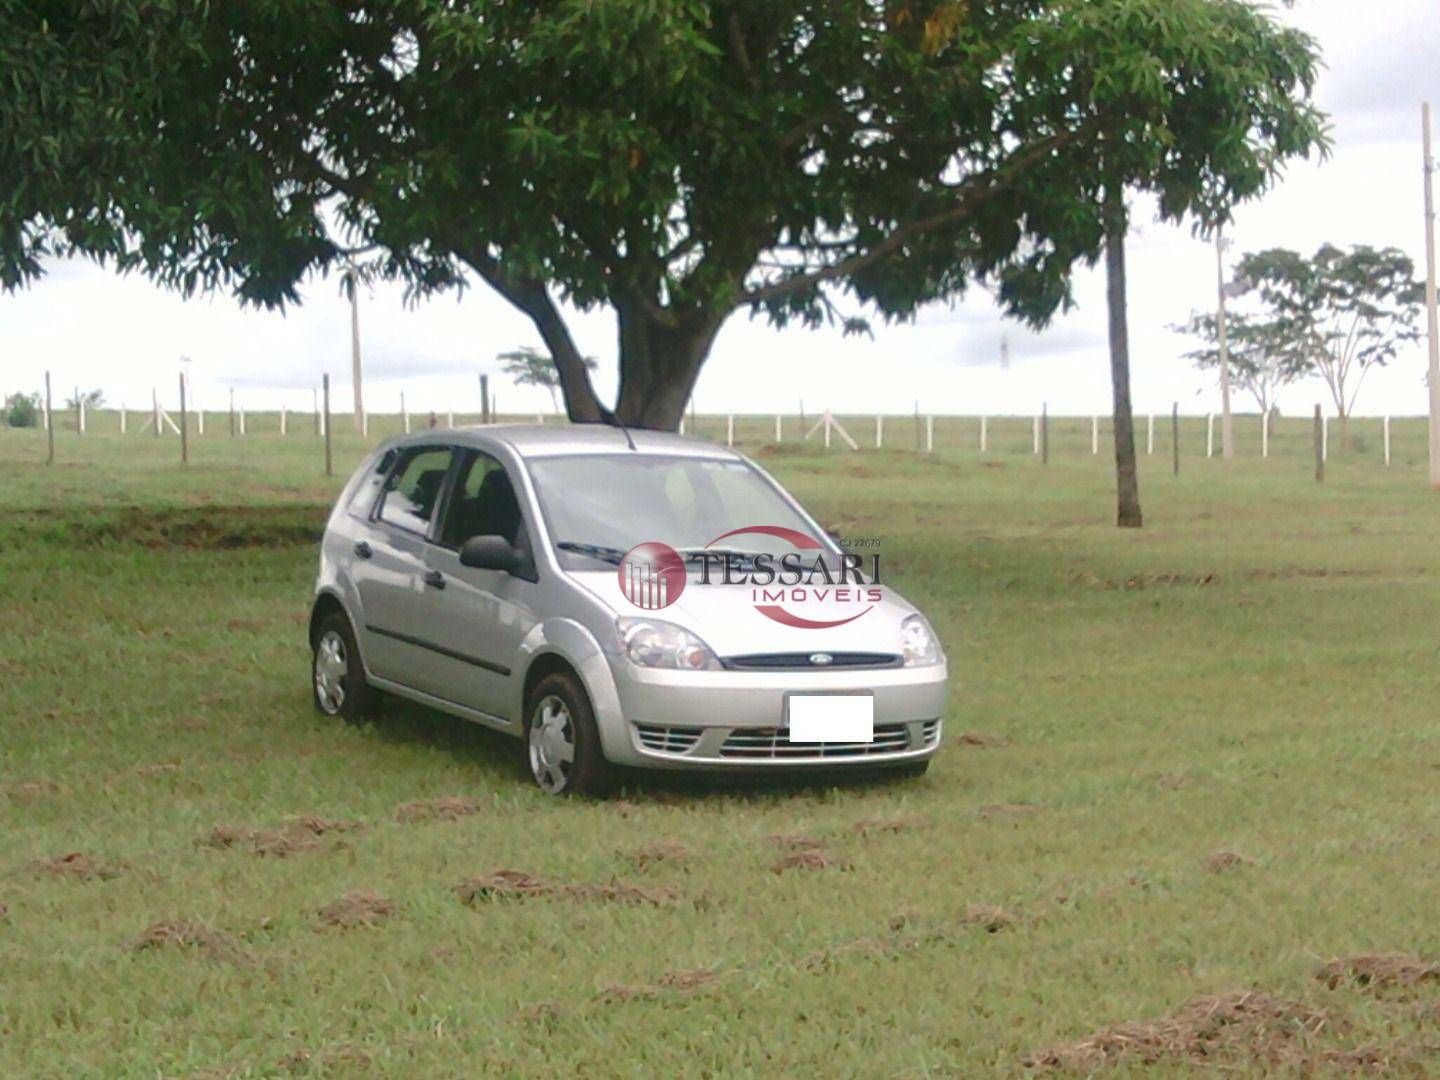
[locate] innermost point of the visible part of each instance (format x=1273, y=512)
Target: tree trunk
x=1127, y=483
x=659, y=363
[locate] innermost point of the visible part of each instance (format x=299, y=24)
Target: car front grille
x=804, y=661
x=664, y=739
x=930, y=732
x=775, y=743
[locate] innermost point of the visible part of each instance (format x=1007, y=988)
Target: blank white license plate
x=817, y=718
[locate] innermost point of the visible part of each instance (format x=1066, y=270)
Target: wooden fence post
x=1210, y=435
x=1325, y=438
x=122, y=418
x=49, y=424
x=282, y=419
x=404, y=413
x=1387, y=440
x=879, y=431
x=984, y=434
x=242, y=419
x=184, y=424
x=485, y=399
x=79, y=413
x=1175, y=434
x=730, y=430
x=1150, y=437
x=325, y=382
x=930, y=434
x=1045, y=433
x=779, y=432
x=1035, y=435
x=1319, y=446
x=1265, y=434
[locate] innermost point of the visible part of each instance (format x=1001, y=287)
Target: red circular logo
x=652, y=575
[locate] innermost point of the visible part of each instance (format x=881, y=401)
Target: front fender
x=577, y=646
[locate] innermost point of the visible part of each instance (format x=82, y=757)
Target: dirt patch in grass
x=808, y=859
x=183, y=934
x=249, y=625
x=1379, y=972
x=292, y=837
x=796, y=841
x=357, y=908
x=340, y=1060
x=198, y=528
x=158, y=768
x=27, y=791
x=1247, y=1028
x=993, y=920
x=1222, y=861
x=1006, y=810
x=672, y=983
x=977, y=738
x=446, y=808
x=658, y=851
x=870, y=826
x=80, y=867
x=516, y=884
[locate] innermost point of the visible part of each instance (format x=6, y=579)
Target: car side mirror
x=491, y=553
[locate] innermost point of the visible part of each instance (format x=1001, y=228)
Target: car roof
x=565, y=439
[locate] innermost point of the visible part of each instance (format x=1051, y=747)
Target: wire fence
x=1162, y=438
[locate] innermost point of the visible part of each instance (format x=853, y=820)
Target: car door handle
x=363, y=549
x=435, y=579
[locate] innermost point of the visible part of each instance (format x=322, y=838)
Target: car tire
x=562, y=743
x=337, y=677
x=911, y=770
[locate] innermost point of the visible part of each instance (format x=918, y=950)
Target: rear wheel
x=562, y=743
x=338, y=677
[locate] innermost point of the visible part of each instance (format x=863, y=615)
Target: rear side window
x=413, y=490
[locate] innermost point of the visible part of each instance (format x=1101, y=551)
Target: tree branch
x=972, y=191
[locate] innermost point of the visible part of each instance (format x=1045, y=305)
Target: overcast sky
x=95, y=329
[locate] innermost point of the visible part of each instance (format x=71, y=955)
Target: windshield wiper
x=700, y=554
x=593, y=551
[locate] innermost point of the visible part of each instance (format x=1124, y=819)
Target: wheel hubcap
x=331, y=667
x=552, y=744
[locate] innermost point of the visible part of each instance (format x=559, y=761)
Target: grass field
x=1182, y=763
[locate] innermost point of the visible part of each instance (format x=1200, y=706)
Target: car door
x=482, y=615
x=397, y=600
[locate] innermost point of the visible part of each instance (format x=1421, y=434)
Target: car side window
x=413, y=490
x=483, y=503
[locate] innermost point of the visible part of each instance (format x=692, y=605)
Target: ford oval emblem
x=821, y=659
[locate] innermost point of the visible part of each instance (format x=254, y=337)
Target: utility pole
x=1227, y=431
x=355, y=365
x=1430, y=315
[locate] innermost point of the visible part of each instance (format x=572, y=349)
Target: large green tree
x=674, y=161
x=1344, y=313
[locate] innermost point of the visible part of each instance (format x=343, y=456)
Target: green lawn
x=1255, y=672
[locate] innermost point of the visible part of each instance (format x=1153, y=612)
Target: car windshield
x=600, y=506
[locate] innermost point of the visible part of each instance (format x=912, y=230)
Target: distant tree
x=674, y=161
x=22, y=410
x=1264, y=356
x=531, y=367
x=93, y=399
x=1345, y=312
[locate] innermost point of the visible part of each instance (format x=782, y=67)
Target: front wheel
x=338, y=676
x=562, y=743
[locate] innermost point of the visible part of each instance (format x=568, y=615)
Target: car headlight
x=918, y=643
x=654, y=644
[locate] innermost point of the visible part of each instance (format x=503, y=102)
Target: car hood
x=728, y=619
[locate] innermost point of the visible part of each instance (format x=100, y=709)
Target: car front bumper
x=735, y=720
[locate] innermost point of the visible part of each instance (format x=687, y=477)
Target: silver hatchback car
x=617, y=599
